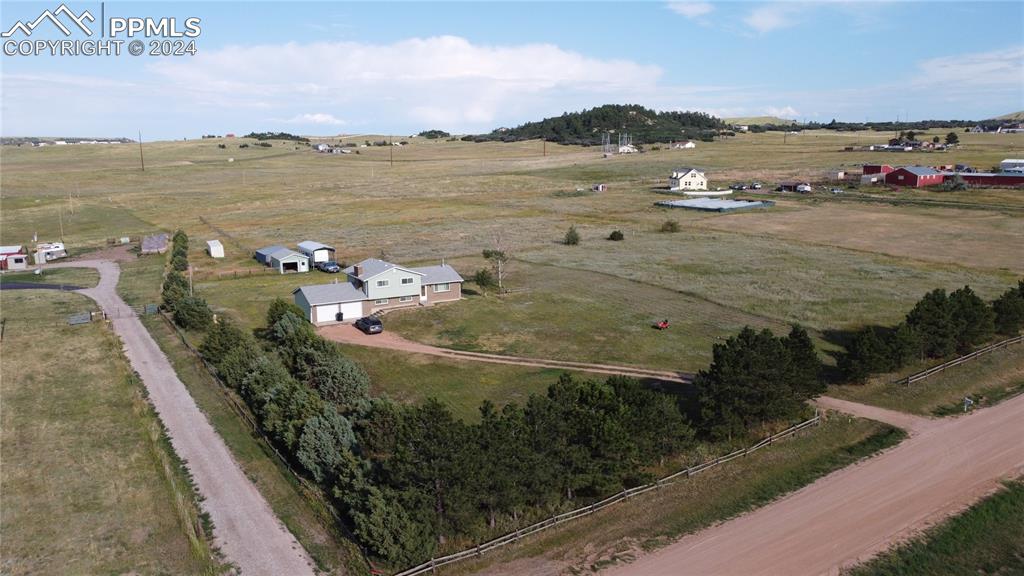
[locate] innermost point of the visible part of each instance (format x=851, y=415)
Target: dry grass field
x=828, y=261
x=89, y=485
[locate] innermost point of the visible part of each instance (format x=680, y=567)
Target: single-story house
x=877, y=169
x=316, y=251
x=214, y=248
x=687, y=178
x=914, y=176
x=156, y=244
x=50, y=251
x=375, y=285
x=263, y=254
x=285, y=260
x=12, y=258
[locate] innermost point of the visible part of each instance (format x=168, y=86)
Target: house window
x=381, y=283
x=442, y=287
x=405, y=299
x=407, y=280
x=381, y=301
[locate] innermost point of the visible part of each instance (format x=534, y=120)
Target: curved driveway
x=245, y=528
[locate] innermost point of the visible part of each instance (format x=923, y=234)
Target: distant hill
x=1014, y=116
x=586, y=127
x=760, y=120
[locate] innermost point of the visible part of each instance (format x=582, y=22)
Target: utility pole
x=391, y=144
x=60, y=216
x=545, y=147
x=190, y=280
x=142, y=160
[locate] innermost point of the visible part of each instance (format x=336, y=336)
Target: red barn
x=914, y=177
x=990, y=179
x=877, y=169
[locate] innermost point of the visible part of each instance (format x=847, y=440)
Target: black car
x=370, y=325
x=330, y=267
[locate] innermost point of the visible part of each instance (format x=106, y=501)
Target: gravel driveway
x=245, y=528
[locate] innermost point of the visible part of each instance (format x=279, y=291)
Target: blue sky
x=387, y=67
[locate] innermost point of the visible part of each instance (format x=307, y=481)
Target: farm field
x=986, y=380
x=983, y=539
x=90, y=485
x=829, y=262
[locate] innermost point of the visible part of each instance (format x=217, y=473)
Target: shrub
x=192, y=313
x=279, y=307
x=484, y=278
x=179, y=263
x=670, y=226
x=572, y=237
x=616, y=236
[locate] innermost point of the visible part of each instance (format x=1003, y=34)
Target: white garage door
x=352, y=311
x=326, y=313
x=329, y=313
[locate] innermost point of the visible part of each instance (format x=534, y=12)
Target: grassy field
x=80, y=277
x=90, y=484
x=659, y=518
x=986, y=539
x=986, y=380
x=830, y=262
x=311, y=523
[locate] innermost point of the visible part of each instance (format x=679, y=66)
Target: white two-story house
x=687, y=178
x=374, y=285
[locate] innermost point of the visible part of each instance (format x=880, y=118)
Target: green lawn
x=988, y=538
x=987, y=380
x=90, y=485
x=660, y=517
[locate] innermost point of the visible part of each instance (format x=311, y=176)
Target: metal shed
x=215, y=249
x=263, y=254
x=285, y=261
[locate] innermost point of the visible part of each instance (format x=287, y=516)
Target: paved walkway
x=245, y=528
x=349, y=334
x=857, y=512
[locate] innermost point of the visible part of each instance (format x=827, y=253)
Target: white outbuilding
x=687, y=178
x=285, y=261
x=214, y=248
x=1012, y=165
x=316, y=251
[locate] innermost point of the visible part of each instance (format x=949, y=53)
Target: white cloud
x=995, y=68
x=771, y=17
x=691, y=9
x=787, y=112
x=438, y=79
x=317, y=118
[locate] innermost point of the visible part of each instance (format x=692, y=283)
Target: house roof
x=314, y=246
x=285, y=253
x=268, y=250
x=442, y=274
x=920, y=170
x=155, y=243
x=686, y=169
x=10, y=249
x=372, y=267
x=333, y=293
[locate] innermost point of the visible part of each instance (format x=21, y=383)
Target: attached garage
x=330, y=303
x=285, y=261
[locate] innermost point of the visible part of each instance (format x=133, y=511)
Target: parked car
x=738, y=186
x=370, y=325
x=329, y=267
x=755, y=186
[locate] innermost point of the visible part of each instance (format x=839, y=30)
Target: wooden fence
x=961, y=360
x=553, y=521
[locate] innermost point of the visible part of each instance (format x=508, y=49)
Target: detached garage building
x=285, y=260
x=316, y=251
x=263, y=254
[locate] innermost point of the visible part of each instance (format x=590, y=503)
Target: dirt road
x=245, y=528
x=854, y=513
x=348, y=334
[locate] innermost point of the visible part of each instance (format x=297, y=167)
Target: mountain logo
x=62, y=10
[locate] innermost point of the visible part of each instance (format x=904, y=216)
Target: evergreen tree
x=806, y=380
x=932, y=319
x=1009, y=311
x=974, y=321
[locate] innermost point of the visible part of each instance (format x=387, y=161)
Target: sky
x=325, y=68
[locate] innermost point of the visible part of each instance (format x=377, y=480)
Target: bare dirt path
x=349, y=334
x=909, y=422
x=857, y=512
x=245, y=528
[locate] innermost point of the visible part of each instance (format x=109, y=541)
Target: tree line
x=188, y=311
x=939, y=325
x=409, y=479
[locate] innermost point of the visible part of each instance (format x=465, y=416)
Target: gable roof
x=687, y=169
x=285, y=253
x=920, y=170
x=373, y=267
x=314, y=246
x=443, y=274
x=268, y=250
x=333, y=293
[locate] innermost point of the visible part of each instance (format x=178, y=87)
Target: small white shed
x=215, y=249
